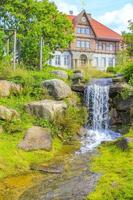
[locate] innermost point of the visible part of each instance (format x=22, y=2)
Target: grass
x=13, y=160
x=90, y=72
x=116, y=169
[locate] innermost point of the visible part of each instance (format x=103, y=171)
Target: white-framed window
x=88, y=31
x=111, y=62
x=78, y=43
x=83, y=44
x=78, y=30
x=97, y=45
x=100, y=47
x=107, y=47
x=66, y=60
x=96, y=64
x=87, y=45
x=111, y=47
x=57, y=60
x=103, y=46
x=103, y=62
x=81, y=30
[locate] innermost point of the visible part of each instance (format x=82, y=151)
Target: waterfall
x=97, y=101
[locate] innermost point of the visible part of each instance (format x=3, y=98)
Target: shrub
x=126, y=92
x=13, y=127
x=69, y=124
x=128, y=71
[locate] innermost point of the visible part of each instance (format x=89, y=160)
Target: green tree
x=1, y=44
x=128, y=37
x=35, y=19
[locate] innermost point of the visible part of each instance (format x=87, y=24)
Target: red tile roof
x=101, y=31
x=71, y=17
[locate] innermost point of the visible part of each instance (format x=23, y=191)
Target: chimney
x=71, y=12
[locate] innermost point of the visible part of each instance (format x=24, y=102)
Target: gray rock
x=57, y=88
x=7, y=88
x=125, y=105
x=77, y=77
x=60, y=74
x=37, y=138
x=118, y=79
x=8, y=114
x=47, y=109
x=82, y=132
x=47, y=169
x=117, y=88
x=78, y=88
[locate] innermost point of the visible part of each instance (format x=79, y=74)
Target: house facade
x=94, y=44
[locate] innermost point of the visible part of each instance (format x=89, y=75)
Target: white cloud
x=118, y=19
x=66, y=7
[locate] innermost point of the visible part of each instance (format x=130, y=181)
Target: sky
x=113, y=13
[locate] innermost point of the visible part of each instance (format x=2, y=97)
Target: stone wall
x=121, y=109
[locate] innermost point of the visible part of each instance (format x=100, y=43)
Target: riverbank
x=115, y=167
x=14, y=185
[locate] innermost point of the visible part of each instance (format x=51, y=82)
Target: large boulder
x=57, y=88
x=60, y=74
x=37, y=138
x=7, y=87
x=8, y=114
x=47, y=109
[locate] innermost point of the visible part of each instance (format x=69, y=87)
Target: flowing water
x=97, y=100
x=76, y=180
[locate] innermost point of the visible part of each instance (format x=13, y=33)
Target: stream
x=74, y=180
x=74, y=183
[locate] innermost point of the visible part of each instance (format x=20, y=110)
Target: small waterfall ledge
x=97, y=101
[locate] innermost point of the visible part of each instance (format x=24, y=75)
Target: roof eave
x=109, y=39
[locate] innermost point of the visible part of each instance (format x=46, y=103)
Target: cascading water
x=97, y=100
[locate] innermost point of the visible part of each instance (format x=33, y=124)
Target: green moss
x=115, y=167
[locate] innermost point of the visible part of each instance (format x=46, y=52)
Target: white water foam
x=97, y=100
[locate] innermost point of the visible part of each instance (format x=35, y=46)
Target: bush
x=69, y=124
x=13, y=127
x=128, y=71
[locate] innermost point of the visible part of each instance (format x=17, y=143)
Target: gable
x=83, y=20
x=100, y=31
